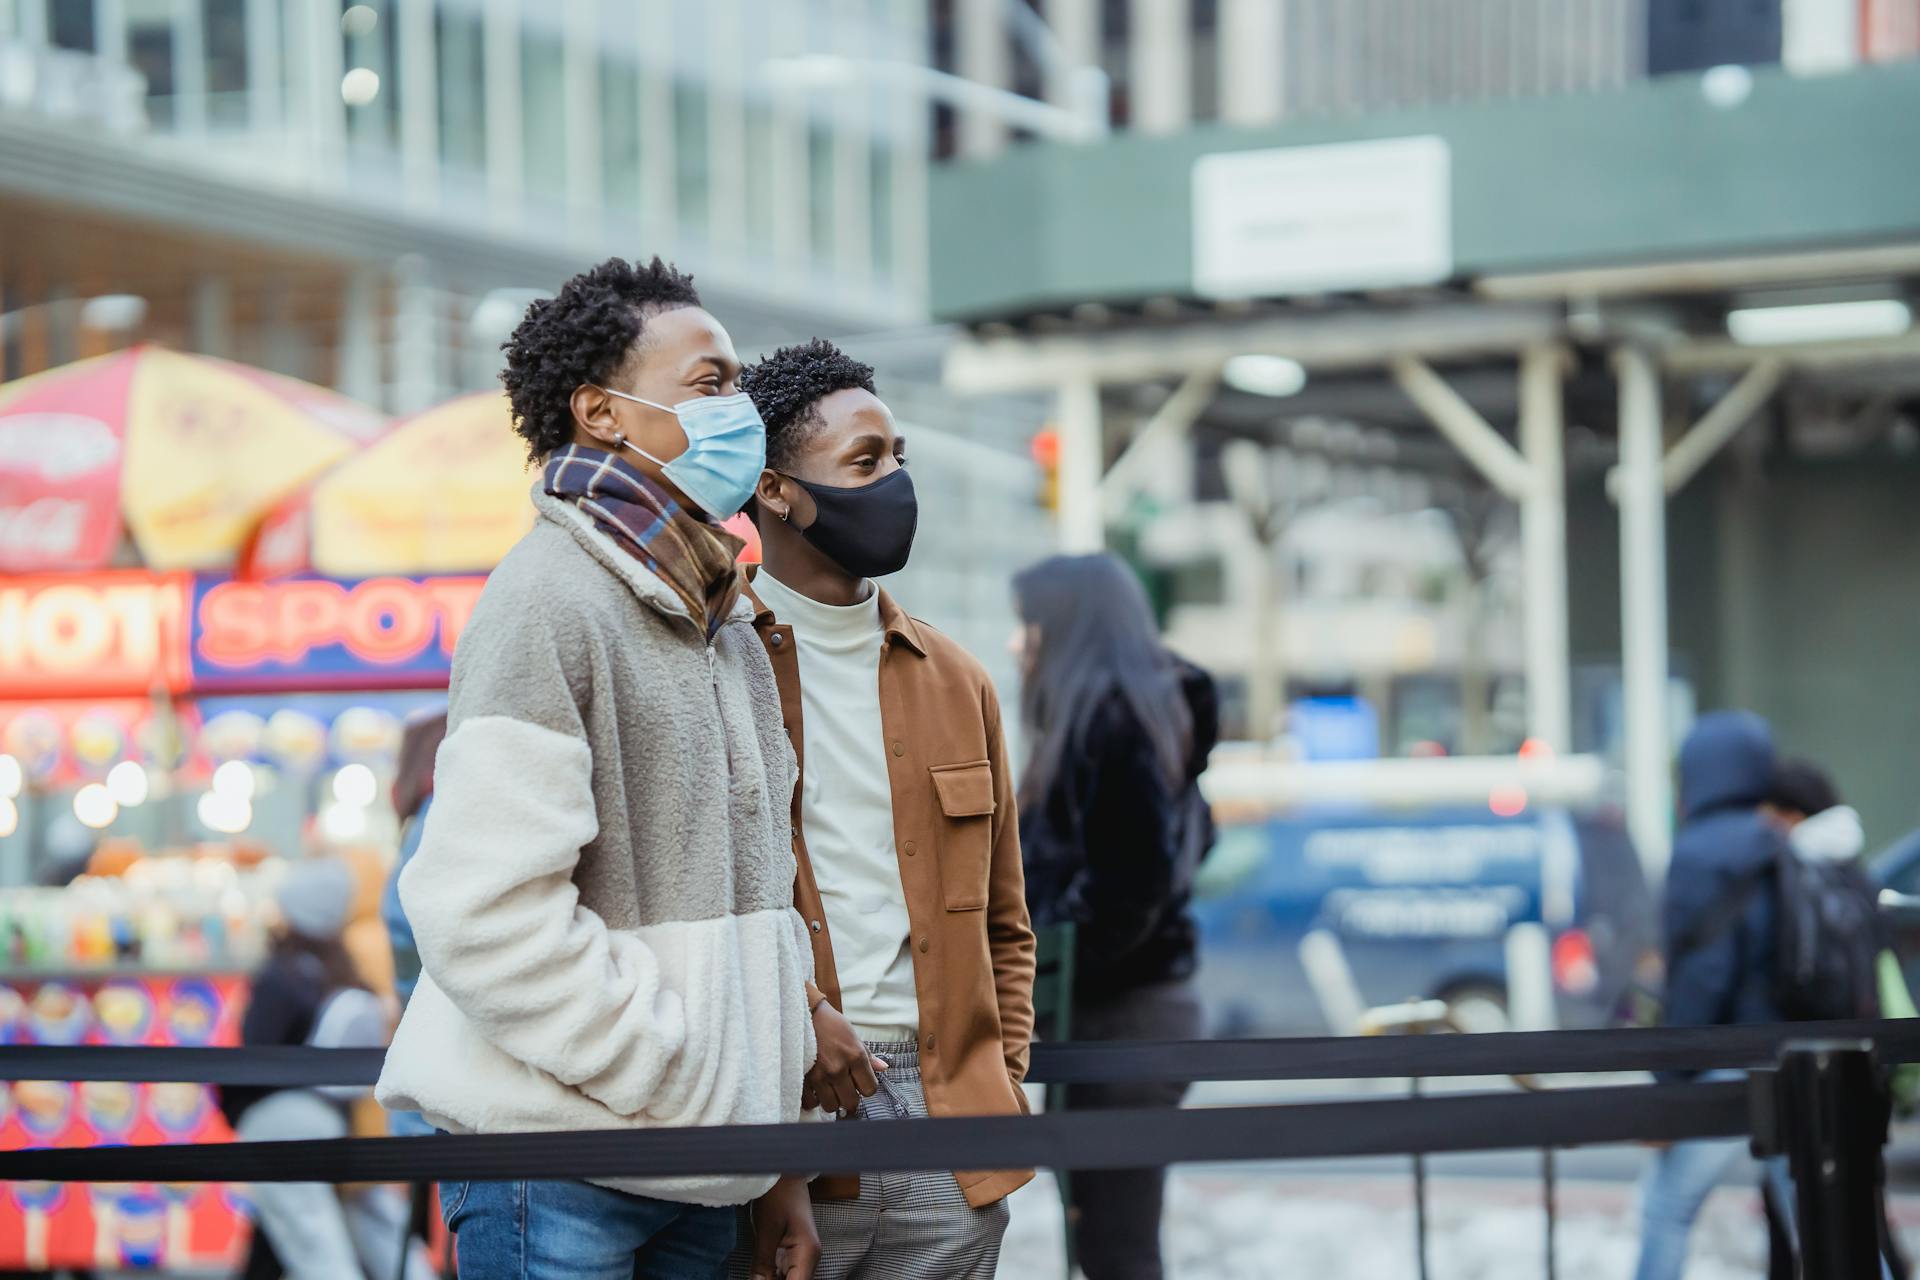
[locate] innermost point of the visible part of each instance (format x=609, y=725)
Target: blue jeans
x=1677, y=1185
x=577, y=1231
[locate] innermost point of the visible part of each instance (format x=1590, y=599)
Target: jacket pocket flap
x=966, y=790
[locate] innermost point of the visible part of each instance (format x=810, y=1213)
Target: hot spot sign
x=320, y=633
x=92, y=634
x=129, y=634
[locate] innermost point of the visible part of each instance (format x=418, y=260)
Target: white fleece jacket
x=602, y=897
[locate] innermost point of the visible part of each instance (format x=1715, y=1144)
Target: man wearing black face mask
x=905, y=827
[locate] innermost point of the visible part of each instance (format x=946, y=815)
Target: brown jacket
x=958, y=833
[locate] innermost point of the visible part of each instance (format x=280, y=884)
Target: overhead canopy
x=212, y=444
x=1543, y=185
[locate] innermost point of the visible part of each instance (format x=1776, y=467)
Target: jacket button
x=899, y=748
x=924, y=944
x=815, y=926
x=911, y=850
x=778, y=639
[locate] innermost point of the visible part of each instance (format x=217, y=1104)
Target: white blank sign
x=1350, y=215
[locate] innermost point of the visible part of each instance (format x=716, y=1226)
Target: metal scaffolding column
x=1536, y=480
x=1082, y=517
x=1643, y=608
x=1543, y=548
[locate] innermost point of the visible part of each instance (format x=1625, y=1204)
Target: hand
x=844, y=1072
x=785, y=1242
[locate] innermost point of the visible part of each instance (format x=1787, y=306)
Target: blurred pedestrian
x=919, y=839
x=309, y=992
x=603, y=896
x=412, y=798
x=1722, y=905
x=68, y=851
x=1114, y=827
x=1805, y=802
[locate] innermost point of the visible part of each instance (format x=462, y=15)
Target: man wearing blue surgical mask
x=602, y=896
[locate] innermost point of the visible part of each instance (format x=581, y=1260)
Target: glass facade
x=621, y=125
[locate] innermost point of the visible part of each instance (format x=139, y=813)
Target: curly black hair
x=788, y=386
x=582, y=334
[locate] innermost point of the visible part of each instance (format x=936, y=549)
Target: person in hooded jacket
x=1113, y=828
x=1721, y=912
x=1805, y=803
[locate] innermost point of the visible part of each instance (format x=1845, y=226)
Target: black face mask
x=868, y=531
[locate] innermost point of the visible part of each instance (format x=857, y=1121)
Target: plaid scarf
x=695, y=557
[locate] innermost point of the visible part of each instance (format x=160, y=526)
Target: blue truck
x=1421, y=905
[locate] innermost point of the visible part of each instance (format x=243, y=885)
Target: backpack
x=1829, y=941
x=1827, y=936
x=349, y=1018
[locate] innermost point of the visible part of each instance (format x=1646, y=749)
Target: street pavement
x=1309, y=1222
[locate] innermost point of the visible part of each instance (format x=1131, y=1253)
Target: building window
x=543, y=107
x=881, y=203
x=462, y=77
x=820, y=189
x=762, y=216
x=620, y=137
x=374, y=124
x=71, y=26
x=692, y=183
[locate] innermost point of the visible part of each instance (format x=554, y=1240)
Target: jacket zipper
x=719, y=707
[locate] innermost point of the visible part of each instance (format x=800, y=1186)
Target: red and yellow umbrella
x=444, y=492
x=185, y=452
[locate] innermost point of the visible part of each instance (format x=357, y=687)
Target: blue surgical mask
x=726, y=450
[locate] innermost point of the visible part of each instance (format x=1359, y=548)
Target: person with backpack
x=310, y=992
x=1754, y=934
x=1721, y=914
x=1826, y=836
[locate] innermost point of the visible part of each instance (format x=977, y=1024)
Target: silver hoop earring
x=784, y=515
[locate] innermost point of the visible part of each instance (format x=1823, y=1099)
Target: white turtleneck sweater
x=846, y=807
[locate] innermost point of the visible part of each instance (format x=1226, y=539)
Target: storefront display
x=223, y=693
x=118, y=1226
x=169, y=913
x=277, y=705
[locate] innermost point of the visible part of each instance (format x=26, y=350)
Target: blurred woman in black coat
x=1112, y=830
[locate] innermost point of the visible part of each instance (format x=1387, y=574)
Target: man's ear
x=770, y=497
x=592, y=410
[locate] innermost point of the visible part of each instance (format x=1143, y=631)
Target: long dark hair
x=1096, y=637
x=324, y=958
x=413, y=773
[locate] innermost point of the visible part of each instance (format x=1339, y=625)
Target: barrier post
x=1419, y=1196
x=1550, y=1195
x=1827, y=1110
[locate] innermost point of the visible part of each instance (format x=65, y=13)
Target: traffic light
x=1045, y=448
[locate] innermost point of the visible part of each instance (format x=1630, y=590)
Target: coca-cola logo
x=50, y=530
x=56, y=446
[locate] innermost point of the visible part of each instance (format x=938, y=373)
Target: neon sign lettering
x=99, y=634
x=380, y=622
